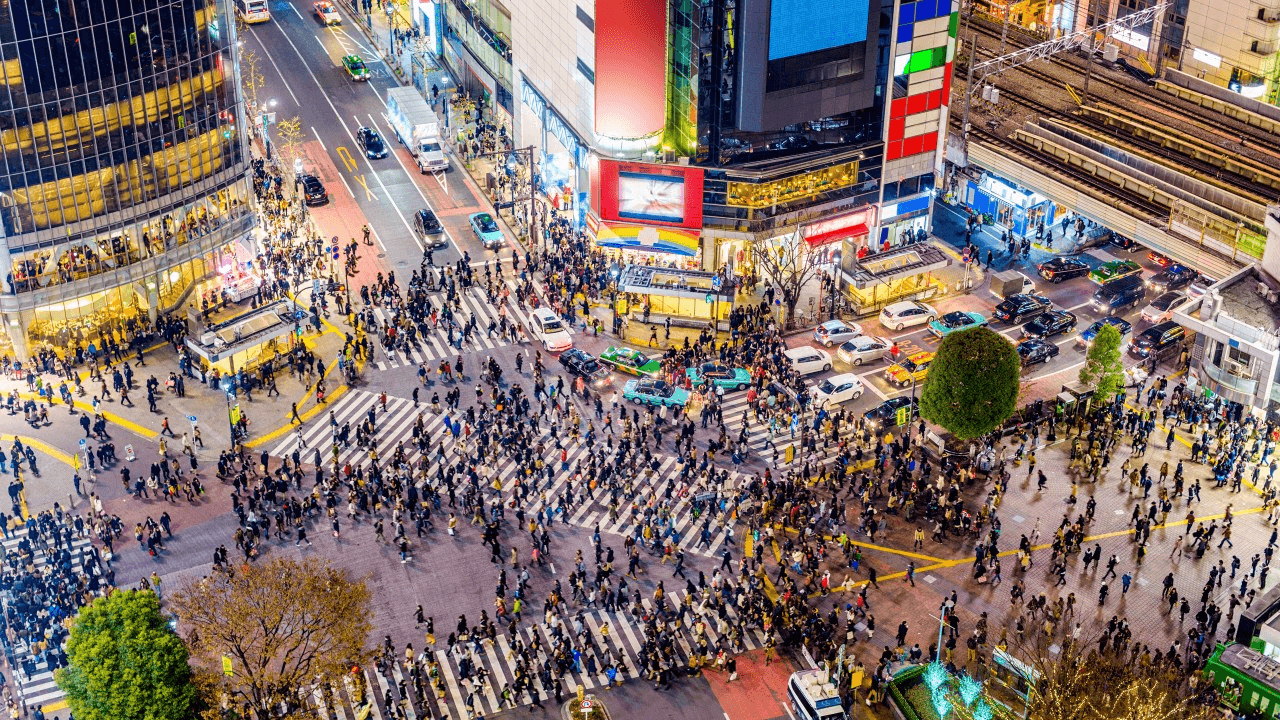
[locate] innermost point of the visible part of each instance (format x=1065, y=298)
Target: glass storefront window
x=86, y=257
x=796, y=187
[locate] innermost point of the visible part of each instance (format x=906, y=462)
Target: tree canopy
x=282, y=623
x=124, y=661
x=973, y=383
x=1103, y=370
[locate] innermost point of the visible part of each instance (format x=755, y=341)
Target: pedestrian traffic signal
x=902, y=416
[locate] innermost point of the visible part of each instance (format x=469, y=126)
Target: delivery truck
x=414, y=124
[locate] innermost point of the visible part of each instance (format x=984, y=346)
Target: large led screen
x=651, y=194
x=797, y=27
x=657, y=198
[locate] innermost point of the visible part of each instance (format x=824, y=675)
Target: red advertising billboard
x=649, y=194
x=631, y=67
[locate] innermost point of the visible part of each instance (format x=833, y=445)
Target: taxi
x=913, y=368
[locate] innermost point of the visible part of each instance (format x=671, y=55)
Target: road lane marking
x=408, y=226
x=347, y=160
x=318, y=138
x=343, y=178
x=295, y=12
x=368, y=193
x=274, y=65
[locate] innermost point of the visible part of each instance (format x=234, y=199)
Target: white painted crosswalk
x=32, y=675
x=477, y=677
x=435, y=342
x=691, y=506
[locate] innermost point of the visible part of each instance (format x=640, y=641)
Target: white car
x=906, y=314
x=327, y=13
x=550, y=330
x=1163, y=307
x=834, y=332
x=863, y=349
x=808, y=360
x=838, y=389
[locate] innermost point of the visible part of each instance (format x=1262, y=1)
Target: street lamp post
x=391, y=14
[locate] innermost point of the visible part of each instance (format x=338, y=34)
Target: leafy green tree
x=1103, y=370
x=124, y=661
x=972, y=386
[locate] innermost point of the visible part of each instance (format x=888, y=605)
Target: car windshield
x=910, y=365
x=486, y=223
x=956, y=319
x=355, y=65
x=662, y=389
x=430, y=147
x=590, y=366
x=827, y=387
x=1164, y=301
x=552, y=325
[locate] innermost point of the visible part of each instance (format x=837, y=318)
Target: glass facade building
x=124, y=178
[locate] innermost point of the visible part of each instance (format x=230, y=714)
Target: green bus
x=1247, y=681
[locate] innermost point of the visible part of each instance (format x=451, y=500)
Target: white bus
x=253, y=11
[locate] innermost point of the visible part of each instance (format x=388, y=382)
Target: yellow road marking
x=367, y=192
x=1092, y=538
x=345, y=155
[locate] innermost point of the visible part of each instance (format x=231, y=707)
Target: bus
x=253, y=11
x=1247, y=681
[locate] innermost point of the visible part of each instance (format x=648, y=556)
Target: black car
x=1036, y=350
x=885, y=414
x=371, y=142
x=1125, y=243
x=1062, y=268
x=1048, y=324
x=582, y=364
x=1158, y=340
x=1174, y=277
x=313, y=190
x=1021, y=306
x=429, y=229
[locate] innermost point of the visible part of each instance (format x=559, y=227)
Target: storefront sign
x=893, y=210
x=551, y=120
x=828, y=231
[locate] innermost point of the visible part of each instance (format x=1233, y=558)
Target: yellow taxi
x=914, y=367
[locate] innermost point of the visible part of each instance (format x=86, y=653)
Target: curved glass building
x=123, y=185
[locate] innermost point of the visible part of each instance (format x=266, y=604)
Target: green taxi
x=1114, y=270
x=355, y=67
x=632, y=362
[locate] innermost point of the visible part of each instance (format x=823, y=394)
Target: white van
x=808, y=360
x=814, y=696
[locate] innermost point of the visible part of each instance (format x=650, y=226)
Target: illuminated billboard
x=644, y=193
x=797, y=27
x=631, y=68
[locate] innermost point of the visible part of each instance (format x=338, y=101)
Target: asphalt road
x=301, y=62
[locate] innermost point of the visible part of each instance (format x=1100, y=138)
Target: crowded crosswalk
x=435, y=343
x=474, y=674
x=699, y=516
x=32, y=675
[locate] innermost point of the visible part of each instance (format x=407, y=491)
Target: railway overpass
x=1200, y=203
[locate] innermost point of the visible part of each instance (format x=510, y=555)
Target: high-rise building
x=691, y=129
x=123, y=187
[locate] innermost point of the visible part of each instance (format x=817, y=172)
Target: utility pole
x=1004, y=30
x=1088, y=54
x=968, y=94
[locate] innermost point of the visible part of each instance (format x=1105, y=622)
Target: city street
x=665, y=481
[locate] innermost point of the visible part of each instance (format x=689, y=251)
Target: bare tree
x=789, y=263
x=279, y=625
x=251, y=80
x=290, y=134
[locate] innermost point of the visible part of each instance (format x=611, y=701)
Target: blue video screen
x=797, y=27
